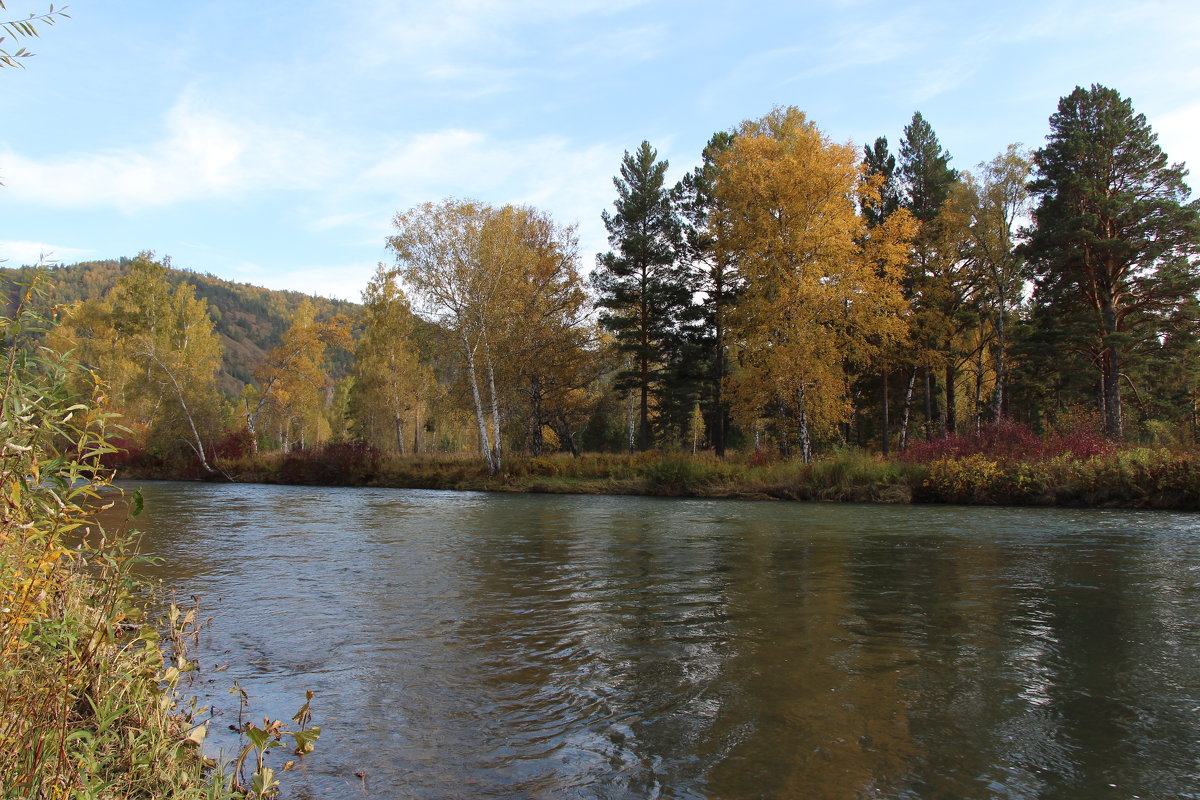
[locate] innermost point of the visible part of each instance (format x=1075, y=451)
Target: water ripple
x=471, y=645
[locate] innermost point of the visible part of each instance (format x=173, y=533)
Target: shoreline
x=1135, y=478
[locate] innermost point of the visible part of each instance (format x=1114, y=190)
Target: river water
x=523, y=646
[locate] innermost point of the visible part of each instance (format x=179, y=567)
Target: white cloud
x=1176, y=131
x=550, y=173
x=17, y=253
x=340, y=281
x=480, y=43
x=203, y=154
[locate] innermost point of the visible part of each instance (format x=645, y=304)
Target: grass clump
x=90, y=700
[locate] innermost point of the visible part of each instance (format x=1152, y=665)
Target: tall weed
x=90, y=699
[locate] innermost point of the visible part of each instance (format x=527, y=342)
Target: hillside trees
x=390, y=383
x=159, y=354
x=642, y=294
x=822, y=291
x=293, y=385
x=1115, y=239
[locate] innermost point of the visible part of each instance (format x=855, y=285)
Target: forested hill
x=250, y=319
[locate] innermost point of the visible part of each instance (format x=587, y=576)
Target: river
x=525, y=646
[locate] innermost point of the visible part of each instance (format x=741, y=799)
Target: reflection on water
x=517, y=646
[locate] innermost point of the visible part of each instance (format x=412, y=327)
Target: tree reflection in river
x=525, y=646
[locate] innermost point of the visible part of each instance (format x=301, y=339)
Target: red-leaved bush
x=236, y=443
x=1010, y=441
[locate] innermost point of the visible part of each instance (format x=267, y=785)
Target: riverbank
x=90, y=701
x=1159, y=478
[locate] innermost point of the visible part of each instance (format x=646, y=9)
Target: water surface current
x=469, y=645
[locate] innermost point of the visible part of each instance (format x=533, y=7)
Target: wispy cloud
x=486, y=46
x=202, y=154
x=17, y=253
x=343, y=281
x=551, y=173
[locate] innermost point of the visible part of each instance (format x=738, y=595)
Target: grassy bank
x=1093, y=475
x=91, y=702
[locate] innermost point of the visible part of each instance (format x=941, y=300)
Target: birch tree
x=451, y=260
x=293, y=382
x=391, y=386
x=822, y=291
x=999, y=201
x=548, y=343
x=505, y=282
x=157, y=348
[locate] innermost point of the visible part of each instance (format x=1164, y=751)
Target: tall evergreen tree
x=878, y=160
x=717, y=279
x=639, y=287
x=879, y=163
x=1114, y=231
x=925, y=170
x=935, y=283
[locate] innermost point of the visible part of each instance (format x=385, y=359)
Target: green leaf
x=264, y=781
x=257, y=737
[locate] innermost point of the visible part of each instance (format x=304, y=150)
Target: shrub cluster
x=331, y=464
x=1008, y=441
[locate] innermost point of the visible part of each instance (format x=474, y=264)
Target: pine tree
x=880, y=165
x=1114, y=232
x=924, y=169
x=717, y=279
x=639, y=287
x=878, y=160
x=935, y=283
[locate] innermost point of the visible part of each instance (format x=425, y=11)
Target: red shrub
x=1079, y=441
x=1004, y=440
x=235, y=444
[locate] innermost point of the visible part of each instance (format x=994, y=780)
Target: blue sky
x=272, y=142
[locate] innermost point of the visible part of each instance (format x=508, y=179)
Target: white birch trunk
x=484, y=444
x=805, y=434
x=491, y=373
x=908, y=393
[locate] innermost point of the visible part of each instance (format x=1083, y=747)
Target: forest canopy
x=790, y=294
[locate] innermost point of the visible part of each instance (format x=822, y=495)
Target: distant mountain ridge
x=250, y=319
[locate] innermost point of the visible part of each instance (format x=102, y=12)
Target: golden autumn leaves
x=822, y=292
x=819, y=298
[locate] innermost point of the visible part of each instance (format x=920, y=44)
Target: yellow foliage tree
x=549, y=359
x=293, y=384
x=822, y=291
x=391, y=385
x=158, y=351
x=504, y=282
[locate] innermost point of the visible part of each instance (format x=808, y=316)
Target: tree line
x=790, y=292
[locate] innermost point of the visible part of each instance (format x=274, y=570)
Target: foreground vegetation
x=1007, y=466
x=91, y=704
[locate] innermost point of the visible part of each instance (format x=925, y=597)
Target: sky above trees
x=273, y=142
